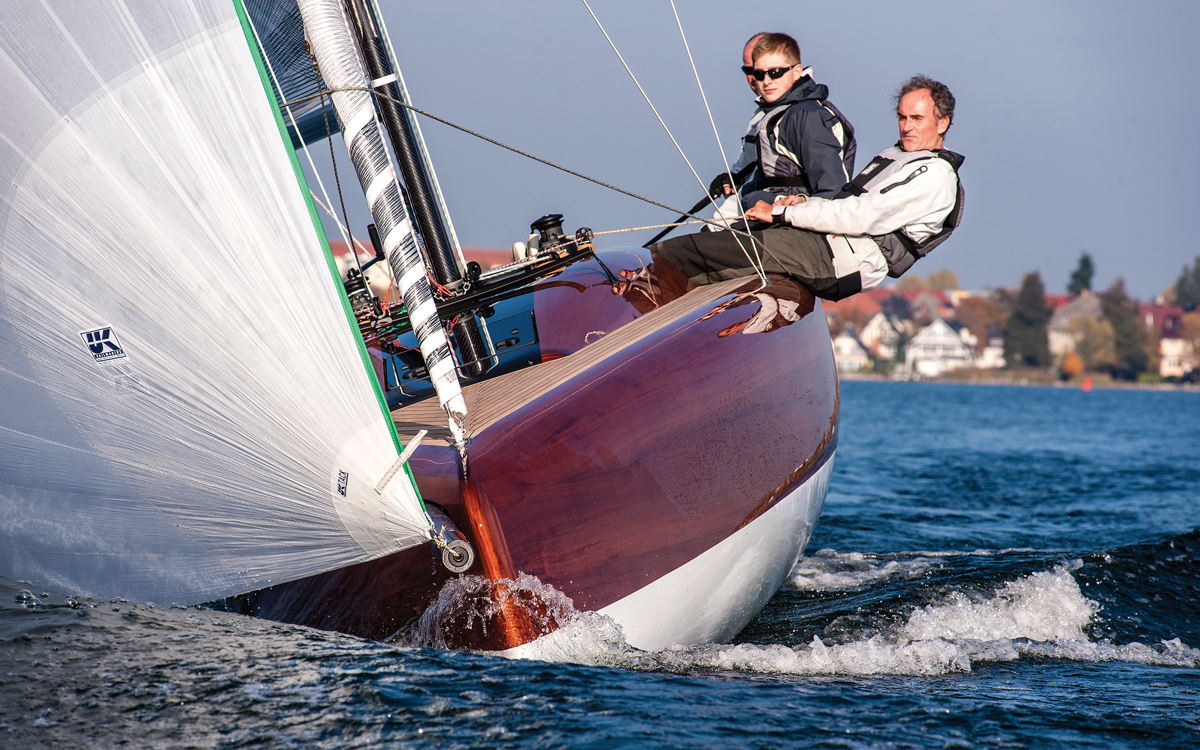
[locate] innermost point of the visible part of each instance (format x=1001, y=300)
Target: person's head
x=924, y=110
x=748, y=61
x=776, y=65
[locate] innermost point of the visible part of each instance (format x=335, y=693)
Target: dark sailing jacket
x=805, y=146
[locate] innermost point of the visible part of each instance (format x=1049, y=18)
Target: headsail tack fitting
x=332, y=44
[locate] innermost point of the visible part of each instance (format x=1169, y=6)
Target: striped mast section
x=331, y=39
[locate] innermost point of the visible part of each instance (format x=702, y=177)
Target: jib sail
x=188, y=410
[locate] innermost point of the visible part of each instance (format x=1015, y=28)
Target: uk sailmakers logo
x=103, y=344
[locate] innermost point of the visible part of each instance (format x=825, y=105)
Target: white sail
x=187, y=412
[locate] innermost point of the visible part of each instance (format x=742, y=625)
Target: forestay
x=187, y=411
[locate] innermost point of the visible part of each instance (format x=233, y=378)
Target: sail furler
x=219, y=431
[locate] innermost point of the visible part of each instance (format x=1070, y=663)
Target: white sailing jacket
x=912, y=193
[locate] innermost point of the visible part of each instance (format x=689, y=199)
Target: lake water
x=995, y=567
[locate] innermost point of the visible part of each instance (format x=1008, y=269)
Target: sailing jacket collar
x=804, y=89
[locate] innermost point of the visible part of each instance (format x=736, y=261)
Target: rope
x=519, y=152
x=749, y=256
x=758, y=267
x=286, y=107
x=652, y=226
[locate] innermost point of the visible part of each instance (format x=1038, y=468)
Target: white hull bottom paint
x=713, y=596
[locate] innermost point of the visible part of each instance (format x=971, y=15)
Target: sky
x=1076, y=118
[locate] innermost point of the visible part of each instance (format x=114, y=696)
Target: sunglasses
x=773, y=73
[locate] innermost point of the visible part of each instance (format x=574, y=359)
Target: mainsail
x=188, y=410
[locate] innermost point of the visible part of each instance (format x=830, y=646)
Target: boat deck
x=489, y=400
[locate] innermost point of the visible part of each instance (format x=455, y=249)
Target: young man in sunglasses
x=798, y=143
x=804, y=145
x=903, y=204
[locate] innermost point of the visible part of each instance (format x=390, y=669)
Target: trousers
x=708, y=257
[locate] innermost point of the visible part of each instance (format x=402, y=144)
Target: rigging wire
x=758, y=267
x=678, y=148
x=329, y=211
x=519, y=152
x=332, y=157
x=286, y=107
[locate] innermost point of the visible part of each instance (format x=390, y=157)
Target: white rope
x=651, y=226
x=758, y=267
x=699, y=181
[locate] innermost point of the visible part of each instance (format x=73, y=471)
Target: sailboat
x=200, y=406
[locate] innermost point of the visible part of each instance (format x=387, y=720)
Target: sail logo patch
x=103, y=344
x=343, y=482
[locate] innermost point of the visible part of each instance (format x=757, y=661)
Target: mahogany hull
x=651, y=452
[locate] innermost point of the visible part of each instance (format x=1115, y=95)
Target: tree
x=912, y=281
x=896, y=306
x=944, y=279
x=1189, y=331
x=1094, y=342
x=1187, y=286
x=1072, y=365
x=977, y=313
x=1081, y=277
x=1025, y=340
x=851, y=317
x=1129, y=333
x=1152, y=347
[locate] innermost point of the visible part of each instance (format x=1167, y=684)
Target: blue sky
x=1076, y=119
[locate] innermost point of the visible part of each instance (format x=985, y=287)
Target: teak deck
x=491, y=400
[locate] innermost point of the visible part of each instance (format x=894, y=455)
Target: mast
x=430, y=220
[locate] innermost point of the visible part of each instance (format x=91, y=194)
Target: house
x=1061, y=338
x=1166, y=322
x=991, y=356
x=881, y=336
x=937, y=348
x=849, y=353
x=858, y=307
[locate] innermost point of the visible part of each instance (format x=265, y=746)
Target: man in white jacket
x=901, y=206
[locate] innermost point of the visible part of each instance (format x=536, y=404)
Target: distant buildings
x=1064, y=330
x=916, y=333
x=908, y=333
x=849, y=353
x=936, y=349
x=1176, y=355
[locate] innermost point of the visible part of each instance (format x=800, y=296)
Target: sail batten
x=195, y=417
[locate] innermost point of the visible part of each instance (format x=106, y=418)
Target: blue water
x=995, y=567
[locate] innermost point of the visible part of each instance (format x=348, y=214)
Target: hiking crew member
x=798, y=142
x=903, y=204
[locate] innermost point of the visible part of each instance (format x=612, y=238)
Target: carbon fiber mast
x=431, y=222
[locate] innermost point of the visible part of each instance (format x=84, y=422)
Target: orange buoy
x=1087, y=384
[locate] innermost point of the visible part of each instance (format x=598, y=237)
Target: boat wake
x=928, y=614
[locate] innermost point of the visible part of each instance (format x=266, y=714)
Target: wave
x=931, y=613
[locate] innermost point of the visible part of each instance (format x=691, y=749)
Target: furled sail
x=188, y=410
x=329, y=33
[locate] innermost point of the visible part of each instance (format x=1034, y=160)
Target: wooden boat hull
x=659, y=466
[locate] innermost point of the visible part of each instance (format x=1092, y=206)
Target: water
x=995, y=567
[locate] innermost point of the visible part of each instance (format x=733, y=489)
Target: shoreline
x=1017, y=380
